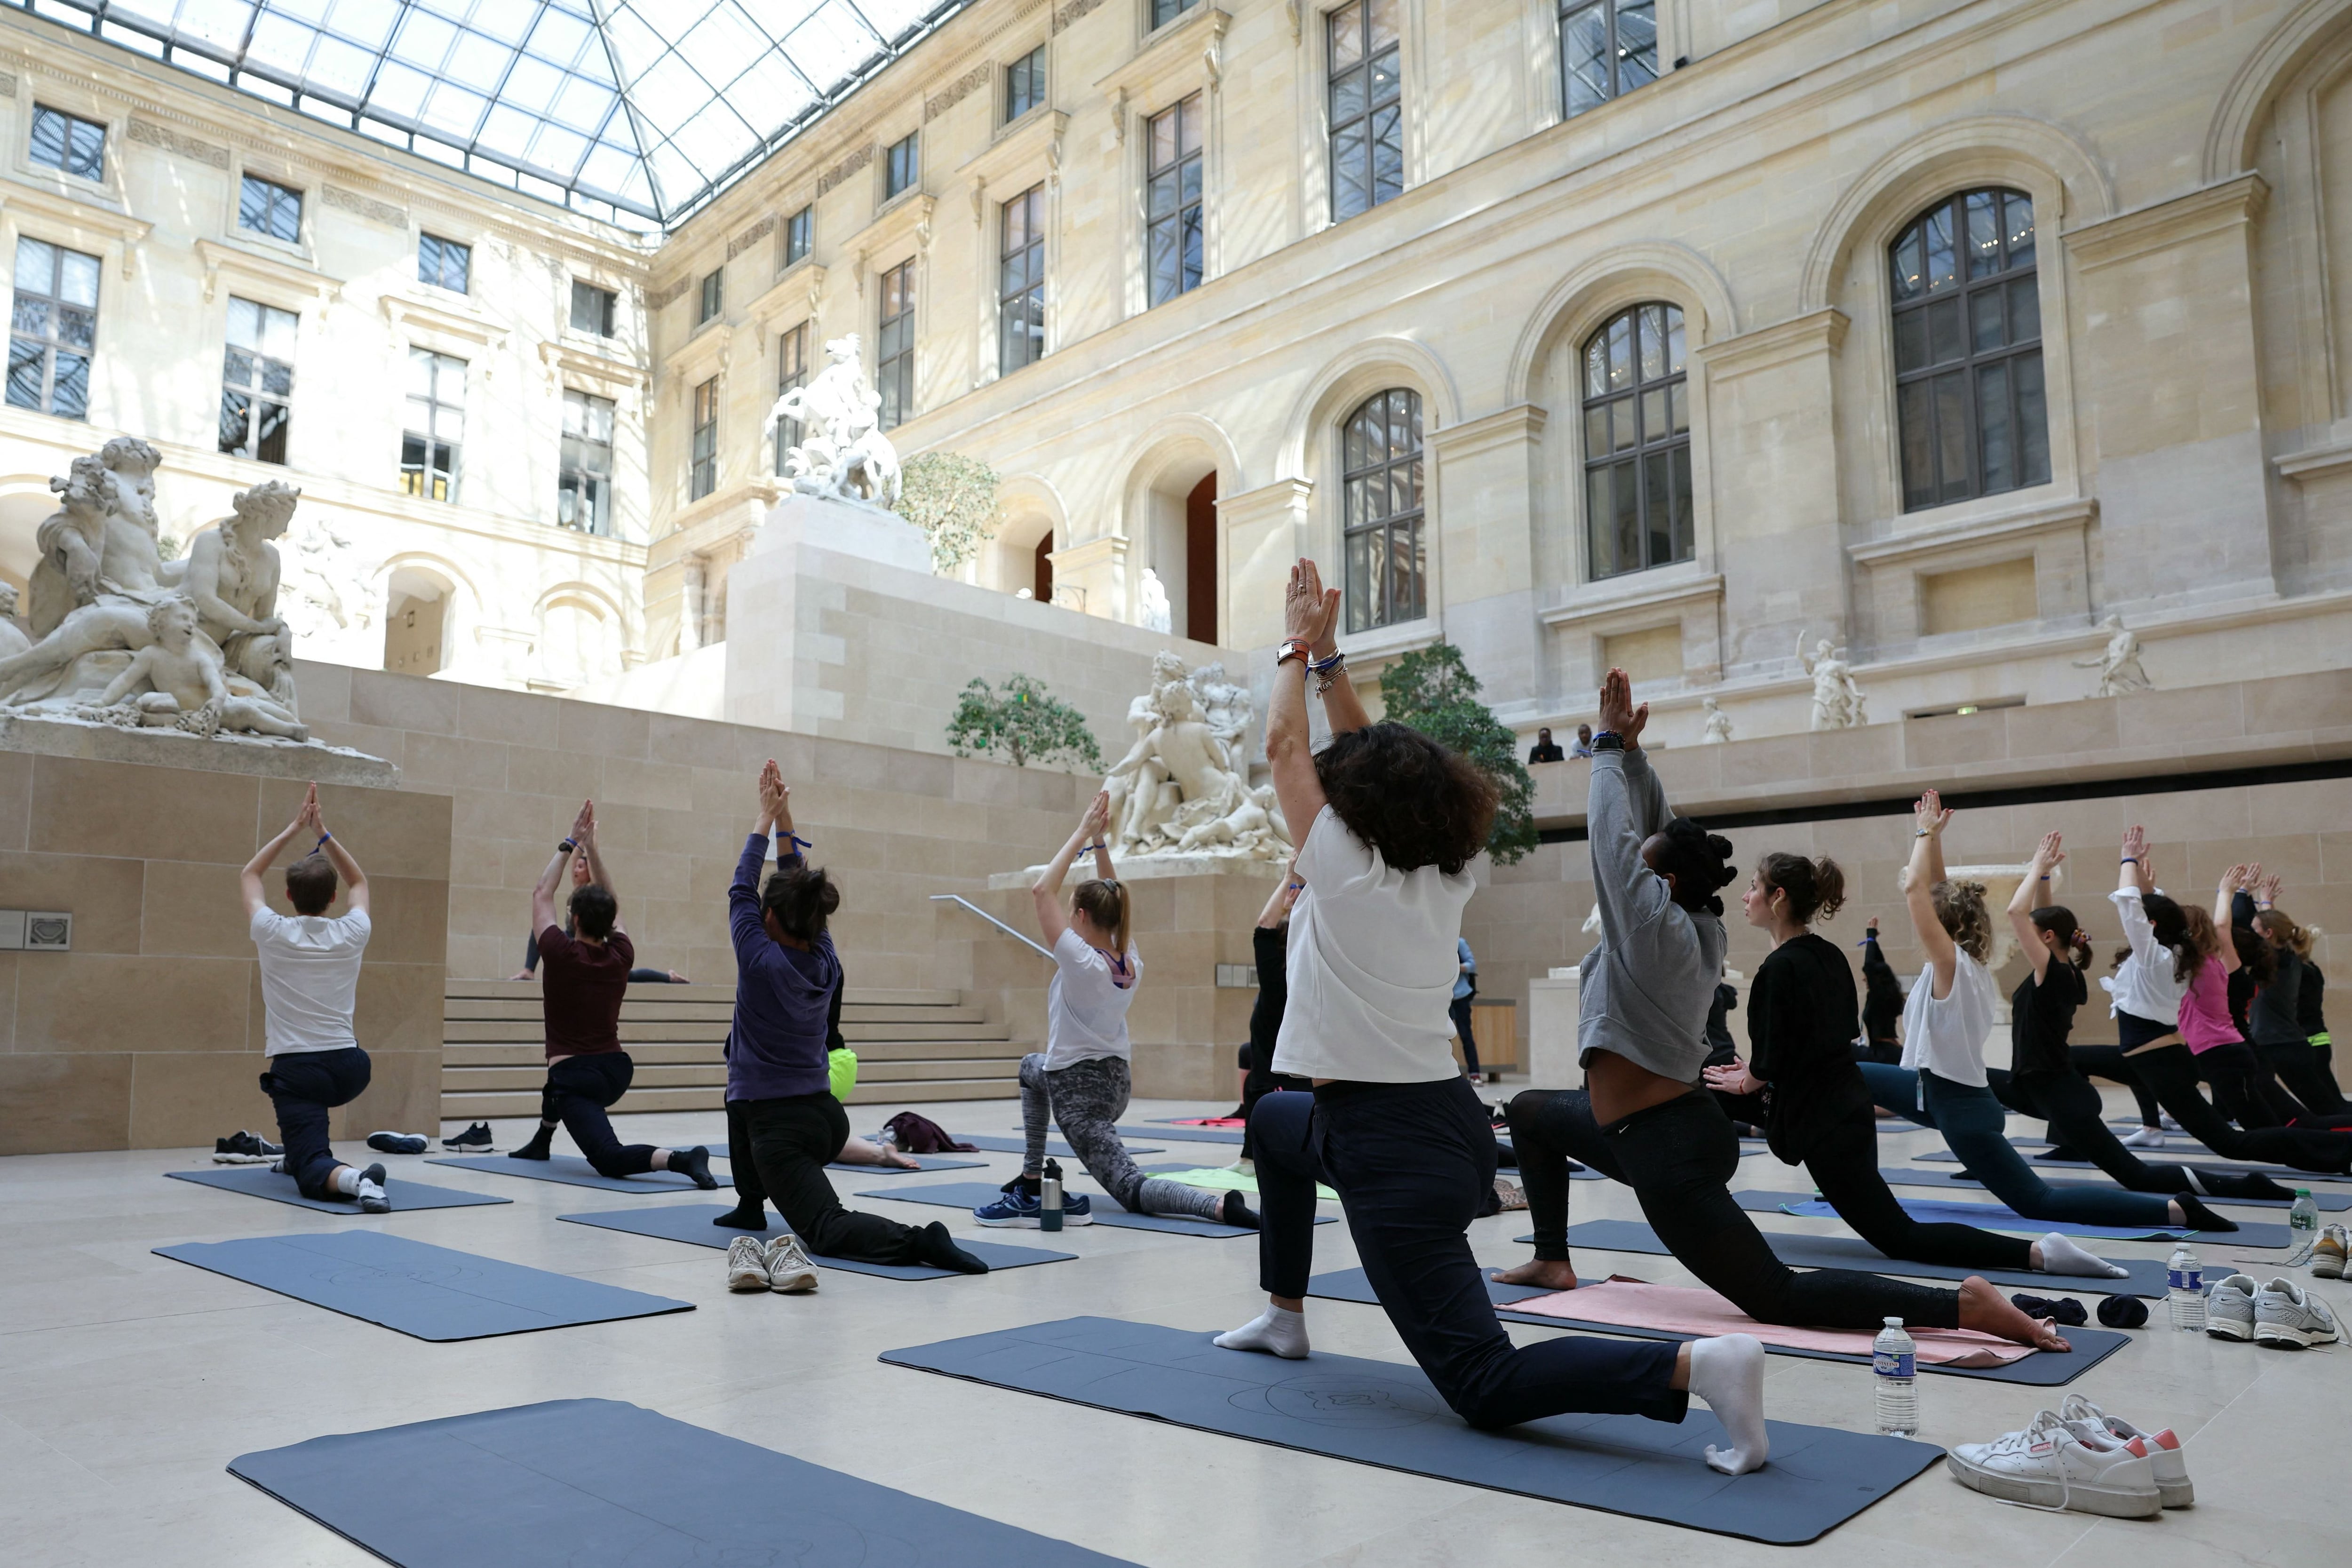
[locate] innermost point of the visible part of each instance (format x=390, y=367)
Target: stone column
x=1481, y=501
x=1265, y=531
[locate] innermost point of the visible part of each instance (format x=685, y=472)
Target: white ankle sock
x=1278, y=1331
x=347, y=1181
x=2060, y=1256
x=1728, y=1373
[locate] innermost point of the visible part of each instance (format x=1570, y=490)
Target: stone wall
x=149, y=1033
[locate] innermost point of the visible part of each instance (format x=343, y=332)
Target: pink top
x=2205, y=1020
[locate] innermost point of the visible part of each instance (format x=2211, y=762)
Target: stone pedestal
x=1552, y=1001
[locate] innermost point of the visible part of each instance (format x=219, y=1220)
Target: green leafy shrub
x=952, y=498
x=1024, y=723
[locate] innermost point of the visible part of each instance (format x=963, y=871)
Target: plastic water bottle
x=1894, y=1374
x=2185, y=1281
x=1049, y=1199
x=2304, y=1217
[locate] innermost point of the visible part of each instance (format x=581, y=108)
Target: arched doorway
x=1042, y=580
x=415, y=623
x=1200, y=622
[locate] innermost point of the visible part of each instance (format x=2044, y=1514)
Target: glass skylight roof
x=646, y=106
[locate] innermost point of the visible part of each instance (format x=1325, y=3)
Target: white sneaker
x=2165, y=1456
x=747, y=1267
x=2290, y=1319
x=790, y=1272
x=2230, y=1308
x=2146, y=1138
x=2053, y=1464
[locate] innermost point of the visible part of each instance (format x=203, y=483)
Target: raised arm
x=1285, y=894
x=2235, y=878
x=745, y=925
x=1310, y=611
x=248, y=880
x=1623, y=805
x=542, y=895
x=1047, y=891
x=355, y=882
x=2132, y=875
x=2047, y=857
x=1919, y=879
x=596, y=872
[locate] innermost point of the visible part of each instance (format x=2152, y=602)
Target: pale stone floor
x=128, y=1382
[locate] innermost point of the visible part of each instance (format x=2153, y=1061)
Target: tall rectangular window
x=584, y=487
x=265, y=206
x=792, y=370
x=703, y=477
x=258, y=381
x=68, y=143
x=1366, y=108
x=1607, y=49
x=800, y=232
x=902, y=166
x=1166, y=11
x=1020, y=282
x=713, y=296
x=436, y=434
x=1172, y=200
x=444, y=263
x=591, y=310
x=52, y=330
x=893, y=363
x=1024, y=84
x=1969, y=397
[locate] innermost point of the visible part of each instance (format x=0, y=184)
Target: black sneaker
x=473, y=1139
x=245, y=1148
x=397, y=1142
x=371, y=1196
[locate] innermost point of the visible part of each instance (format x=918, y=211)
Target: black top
x=1546, y=751
x=1721, y=1049
x=1273, y=991
x=1882, y=1008
x=2277, y=1011
x=1802, y=1025
x=2042, y=1017
x=2310, y=1010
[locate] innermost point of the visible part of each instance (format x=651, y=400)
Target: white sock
x=2060, y=1256
x=346, y=1180
x=1278, y=1331
x=1728, y=1373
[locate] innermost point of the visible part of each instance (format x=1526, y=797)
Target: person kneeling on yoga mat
x=1390, y=823
x=309, y=980
x=587, y=979
x=1080, y=1081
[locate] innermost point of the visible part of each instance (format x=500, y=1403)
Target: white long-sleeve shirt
x=2143, y=985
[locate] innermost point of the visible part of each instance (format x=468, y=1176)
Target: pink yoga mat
x=1204, y=1121
x=1686, y=1310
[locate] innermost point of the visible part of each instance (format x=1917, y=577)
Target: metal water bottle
x=1049, y=1198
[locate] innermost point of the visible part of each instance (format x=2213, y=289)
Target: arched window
x=1637, y=469
x=1967, y=350
x=1381, y=467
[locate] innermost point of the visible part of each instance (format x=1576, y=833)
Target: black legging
x=578, y=1091
x=2078, y=1124
x=779, y=1149
x=2247, y=1093
x=2172, y=1074
x=1843, y=1164
x=1678, y=1157
x=2298, y=1065
x=2110, y=1063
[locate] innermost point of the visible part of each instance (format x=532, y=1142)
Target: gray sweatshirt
x=1646, y=988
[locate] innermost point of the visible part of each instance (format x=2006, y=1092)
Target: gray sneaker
x=2290, y=1319
x=790, y=1272
x=2230, y=1308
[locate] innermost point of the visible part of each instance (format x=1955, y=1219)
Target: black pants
x=302, y=1086
x=1844, y=1166
x=1411, y=1161
x=1261, y=1081
x=2110, y=1063
x=2172, y=1075
x=2298, y=1067
x=579, y=1090
x=1460, y=1010
x=1678, y=1157
x=780, y=1149
x=2078, y=1124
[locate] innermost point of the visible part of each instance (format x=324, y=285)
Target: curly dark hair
x=1815, y=888
x=801, y=898
x=594, y=911
x=1412, y=800
x=1698, y=861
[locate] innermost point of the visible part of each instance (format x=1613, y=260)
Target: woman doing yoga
x=1642, y=1120
x=1817, y=1113
x=2275, y=1018
x=1942, y=1082
x=1388, y=823
x=1080, y=1081
x=2044, y=1079
x=2161, y=1015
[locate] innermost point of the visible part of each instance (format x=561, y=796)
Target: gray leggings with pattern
x=1084, y=1099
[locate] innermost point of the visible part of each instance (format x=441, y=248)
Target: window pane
x=1984, y=233
x=1952, y=436
x=1188, y=126
x=1911, y=341
x=233, y=421
x=37, y=266
x=1657, y=504
x=1166, y=261
x=1596, y=430
x=1651, y=337
x=77, y=278
x=77, y=329
x=1347, y=36
x=1622, y=419
x=1386, y=77
x=1384, y=15
x=1405, y=573
x=1686, y=530
x=1674, y=341
x=1943, y=331
x=1388, y=154
x=1910, y=276
x=2019, y=213
x=1653, y=414
x=1941, y=263
x=1596, y=368
x=1598, y=510
x=26, y=362
x=1678, y=397
x=1360, y=581
x=270, y=438
x=1584, y=53
x=1916, y=413
x=1996, y=456
x=2024, y=310
x=48, y=143
x=1637, y=44
x=2032, y=420
x=1984, y=320
x=1348, y=96
x=1626, y=524
x=69, y=387
x=1621, y=352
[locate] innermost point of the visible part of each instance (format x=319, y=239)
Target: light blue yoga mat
x=1998, y=1216
x=569, y=1170
x=690, y=1223
x=261, y=1182
x=1895, y=1177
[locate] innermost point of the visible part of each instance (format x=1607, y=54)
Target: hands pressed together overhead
x=1310, y=612
x=1620, y=715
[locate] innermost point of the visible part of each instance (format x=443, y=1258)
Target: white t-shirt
x=1372, y=961
x=309, y=977
x=1948, y=1037
x=1086, y=1008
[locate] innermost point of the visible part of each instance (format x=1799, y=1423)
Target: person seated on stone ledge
x=640, y=975
x=1546, y=749
x=309, y=977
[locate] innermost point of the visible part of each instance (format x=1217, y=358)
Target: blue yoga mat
x=2037, y=1153
x=428, y=1292
x=1998, y=1216
x=2331, y=1203
x=1058, y=1148
x=1183, y=1134
x=2045, y=1369
x=2145, y=1278
x=261, y=1182
x=969, y=1195
x=690, y=1223
x=927, y=1163
x=1383, y=1413
x=595, y=1483
x=571, y=1171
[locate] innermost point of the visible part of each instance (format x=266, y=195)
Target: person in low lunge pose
x=310, y=982
x=1390, y=823
x=780, y=1112
x=1642, y=1119
x=1080, y=1081
x=587, y=979
x=1269, y=941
